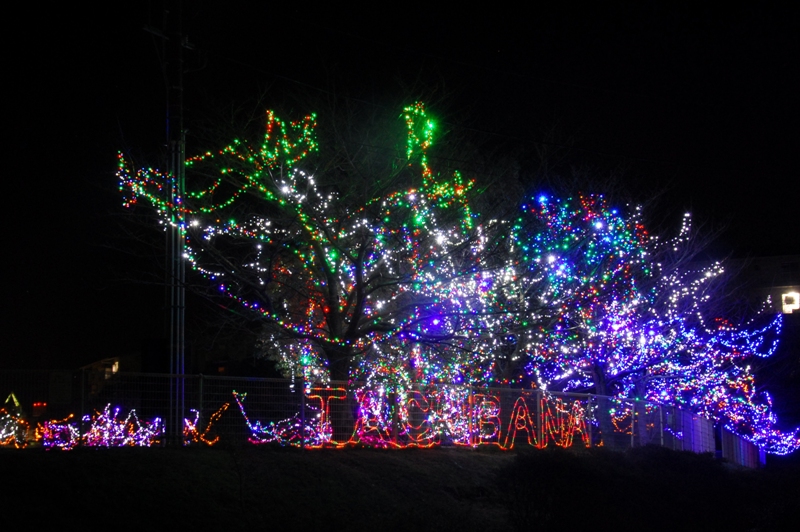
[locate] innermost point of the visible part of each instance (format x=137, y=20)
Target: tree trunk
x=610, y=438
x=344, y=415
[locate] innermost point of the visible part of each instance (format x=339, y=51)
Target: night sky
x=699, y=105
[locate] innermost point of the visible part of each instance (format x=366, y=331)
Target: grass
x=369, y=489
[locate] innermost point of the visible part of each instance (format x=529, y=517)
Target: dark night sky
x=699, y=100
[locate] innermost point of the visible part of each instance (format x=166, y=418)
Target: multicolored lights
x=426, y=416
x=413, y=287
x=107, y=428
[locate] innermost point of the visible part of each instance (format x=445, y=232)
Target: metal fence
x=110, y=408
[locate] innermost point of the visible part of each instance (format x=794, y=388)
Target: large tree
x=622, y=313
x=333, y=278
x=584, y=263
x=392, y=278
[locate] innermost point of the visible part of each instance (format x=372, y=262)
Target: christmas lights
x=106, y=429
x=441, y=415
x=191, y=434
x=620, y=313
x=294, y=431
x=411, y=288
x=60, y=434
x=13, y=430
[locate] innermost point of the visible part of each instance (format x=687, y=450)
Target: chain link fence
x=112, y=408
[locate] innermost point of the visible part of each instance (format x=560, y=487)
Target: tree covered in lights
x=581, y=263
x=618, y=312
x=400, y=282
x=334, y=281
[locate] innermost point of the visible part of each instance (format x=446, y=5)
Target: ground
x=369, y=489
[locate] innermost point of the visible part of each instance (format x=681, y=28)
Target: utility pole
x=174, y=43
x=176, y=141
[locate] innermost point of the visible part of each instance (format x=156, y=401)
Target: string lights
x=191, y=432
x=620, y=313
x=412, y=288
x=442, y=415
x=60, y=434
x=311, y=433
x=107, y=429
x=13, y=430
